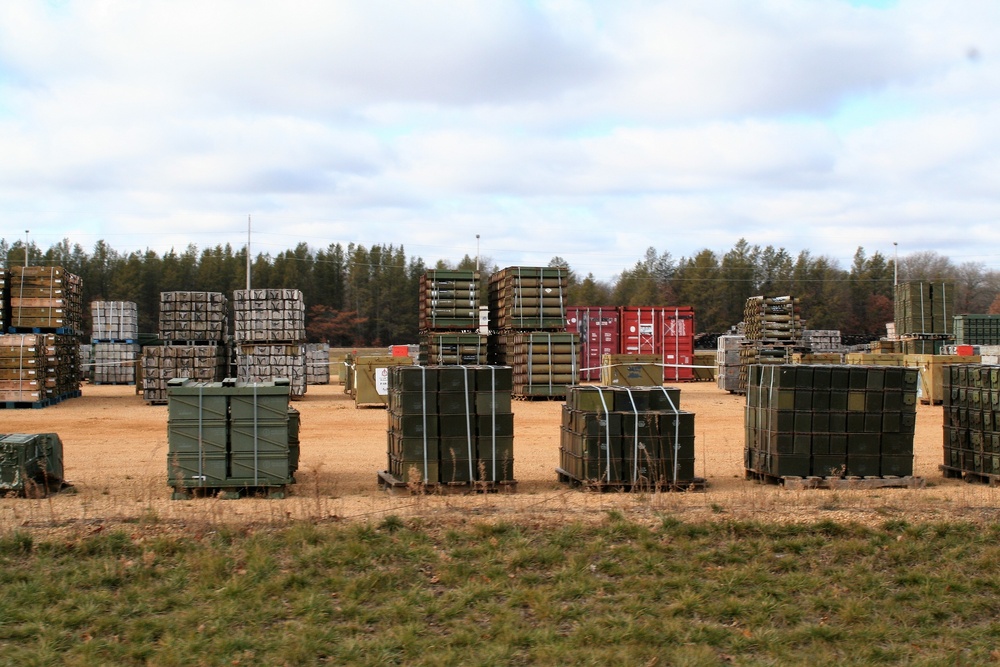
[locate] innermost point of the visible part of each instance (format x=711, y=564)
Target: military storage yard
x=898, y=432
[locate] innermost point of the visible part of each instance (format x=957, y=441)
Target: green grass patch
x=614, y=592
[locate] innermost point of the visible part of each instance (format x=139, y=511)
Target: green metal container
x=30, y=464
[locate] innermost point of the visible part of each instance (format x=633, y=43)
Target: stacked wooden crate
x=45, y=299
x=820, y=341
x=230, y=437
x=22, y=369
x=318, y=363
x=115, y=350
x=162, y=363
x=450, y=425
x=4, y=301
x=728, y=361
x=527, y=319
x=631, y=438
x=270, y=335
x=830, y=421
x=193, y=317
x=46, y=314
x=773, y=329
x=449, y=318
x=194, y=326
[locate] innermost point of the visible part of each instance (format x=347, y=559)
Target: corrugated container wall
x=667, y=331
x=600, y=334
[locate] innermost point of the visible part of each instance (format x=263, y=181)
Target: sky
x=587, y=130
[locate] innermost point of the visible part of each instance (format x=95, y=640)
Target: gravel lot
x=116, y=457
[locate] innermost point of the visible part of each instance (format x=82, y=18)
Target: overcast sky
x=588, y=130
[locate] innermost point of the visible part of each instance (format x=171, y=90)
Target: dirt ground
x=116, y=457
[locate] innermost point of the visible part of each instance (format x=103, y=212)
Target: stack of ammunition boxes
x=187, y=317
x=46, y=315
x=822, y=341
x=449, y=318
x=114, y=338
x=627, y=437
x=31, y=464
x=450, y=425
x=317, y=363
x=230, y=436
x=773, y=331
x=453, y=349
x=527, y=316
x=45, y=299
x=528, y=298
x=977, y=329
x=727, y=359
x=830, y=421
x=194, y=326
x=4, y=301
x=972, y=419
x=924, y=309
x=270, y=334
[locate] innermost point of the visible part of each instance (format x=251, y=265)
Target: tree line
x=368, y=296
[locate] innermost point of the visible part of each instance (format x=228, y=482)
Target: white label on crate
x=382, y=381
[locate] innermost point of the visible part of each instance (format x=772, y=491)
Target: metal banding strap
x=468, y=422
x=677, y=432
x=607, y=433
x=423, y=412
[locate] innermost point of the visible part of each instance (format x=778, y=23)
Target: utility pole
x=26, y=248
x=477, y=252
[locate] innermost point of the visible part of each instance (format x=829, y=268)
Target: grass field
x=408, y=591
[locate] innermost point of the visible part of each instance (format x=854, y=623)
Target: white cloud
x=562, y=127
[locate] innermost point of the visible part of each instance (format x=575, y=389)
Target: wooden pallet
x=927, y=401
x=794, y=483
x=276, y=492
x=397, y=487
x=602, y=486
x=26, y=405
x=970, y=475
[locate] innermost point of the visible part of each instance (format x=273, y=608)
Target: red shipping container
x=599, y=335
x=667, y=331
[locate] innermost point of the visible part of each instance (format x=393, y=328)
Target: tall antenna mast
x=248, y=254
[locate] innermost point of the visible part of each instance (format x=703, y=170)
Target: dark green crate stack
x=528, y=298
x=449, y=300
x=830, y=421
x=450, y=424
x=30, y=464
x=972, y=418
x=546, y=364
x=230, y=435
x=977, y=329
x=451, y=349
x=924, y=308
x=450, y=303
x=527, y=315
x=626, y=436
x=774, y=328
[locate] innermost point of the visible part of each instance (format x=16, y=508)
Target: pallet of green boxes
x=627, y=438
x=831, y=426
x=450, y=429
x=31, y=464
x=231, y=438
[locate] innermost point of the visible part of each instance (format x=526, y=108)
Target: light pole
x=895, y=264
x=477, y=252
x=26, y=248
